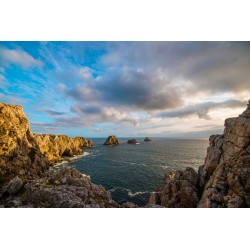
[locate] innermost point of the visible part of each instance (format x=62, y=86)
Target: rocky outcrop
x=132, y=141
x=223, y=180
x=147, y=139
x=54, y=147
x=82, y=142
x=25, y=179
x=111, y=140
x=19, y=151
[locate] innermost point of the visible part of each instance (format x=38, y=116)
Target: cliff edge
x=25, y=179
x=223, y=180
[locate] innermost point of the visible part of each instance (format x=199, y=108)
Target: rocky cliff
x=223, y=180
x=19, y=151
x=111, y=140
x=54, y=147
x=25, y=179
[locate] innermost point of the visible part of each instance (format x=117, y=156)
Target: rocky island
x=111, y=140
x=147, y=139
x=223, y=180
x=132, y=141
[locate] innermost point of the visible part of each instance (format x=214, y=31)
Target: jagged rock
x=82, y=142
x=111, y=140
x=147, y=139
x=129, y=205
x=132, y=141
x=223, y=180
x=14, y=186
x=54, y=147
x=19, y=152
x=25, y=179
x=180, y=190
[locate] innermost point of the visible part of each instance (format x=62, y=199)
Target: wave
x=130, y=193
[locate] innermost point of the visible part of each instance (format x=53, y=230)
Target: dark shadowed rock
x=111, y=140
x=132, y=141
x=147, y=139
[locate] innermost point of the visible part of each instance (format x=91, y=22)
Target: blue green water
x=131, y=172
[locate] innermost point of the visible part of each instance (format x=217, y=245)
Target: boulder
x=147, y=139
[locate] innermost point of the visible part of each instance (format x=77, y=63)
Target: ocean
x=131, y=172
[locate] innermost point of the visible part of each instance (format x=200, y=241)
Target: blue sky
x=95, y=89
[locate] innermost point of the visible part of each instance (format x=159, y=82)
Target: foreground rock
x=111, y=140
x=147, y=139
x=19, y=151
x=223, y=180
x=54, y=147
x=132, y=141
x=25, y=179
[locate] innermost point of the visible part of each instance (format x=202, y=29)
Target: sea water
x=131, y=172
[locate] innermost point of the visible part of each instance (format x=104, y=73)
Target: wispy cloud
x=18, y=57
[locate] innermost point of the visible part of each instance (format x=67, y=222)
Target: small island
x=132, y=141
x=147, y=139
x=111, y=140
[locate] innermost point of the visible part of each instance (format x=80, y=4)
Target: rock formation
x=223, y=180
x=56, y=146
x=132, y=141
x=25, y=179
x=147, y=139
x=19, y=151
x=111, y=140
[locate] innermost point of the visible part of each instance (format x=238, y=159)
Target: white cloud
x=18, y=57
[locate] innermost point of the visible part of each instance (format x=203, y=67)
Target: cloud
x=18, y=57
x=202, y=109
x=96, y=130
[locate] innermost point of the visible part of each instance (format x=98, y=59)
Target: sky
x=129, y=89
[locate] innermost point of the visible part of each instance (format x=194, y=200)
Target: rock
x=147, y=139
x=223, y=180
x=129, y=205
x=19, y=153
x=25, y=179
x=54, y=147
x=14, y=186
x=111, y=140
x=132, y=141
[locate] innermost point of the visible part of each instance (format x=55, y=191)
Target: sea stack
x=223, y=180
x=111, y=140
x=147, y=139
x=132, y=141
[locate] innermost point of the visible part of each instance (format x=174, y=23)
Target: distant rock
x=132, y=141
x=111, y=140
x=147, y=139
x=223, y=180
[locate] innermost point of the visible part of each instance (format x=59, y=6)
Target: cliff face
x=223, y=180
x=19, y=152
x=25, y=179
x=56, y=146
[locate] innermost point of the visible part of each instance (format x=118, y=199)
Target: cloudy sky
x=95, y=89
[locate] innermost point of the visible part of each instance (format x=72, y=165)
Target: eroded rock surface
x=111, y=140
x=25, y=179
x=54, y=147
x=223, y=180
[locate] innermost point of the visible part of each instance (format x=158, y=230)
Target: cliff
x=223, y=180
x=19, y=151
x=111, y=140
x=56, y=146
x=25, y=179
